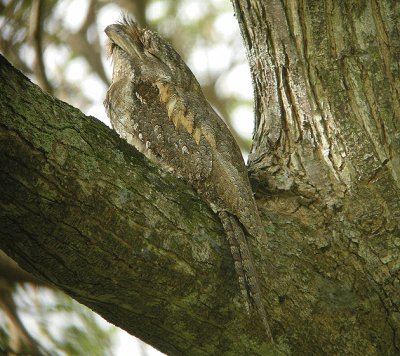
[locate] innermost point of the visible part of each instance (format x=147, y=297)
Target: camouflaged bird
x=183, y=134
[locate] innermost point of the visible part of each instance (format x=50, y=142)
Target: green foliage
x=4, y=337
x=83, y=333
x=59, y=325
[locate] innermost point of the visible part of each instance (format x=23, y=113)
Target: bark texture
x=326, y=150
x=82, y=209
x=85, y=211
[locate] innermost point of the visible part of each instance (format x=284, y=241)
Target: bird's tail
x=247, y=275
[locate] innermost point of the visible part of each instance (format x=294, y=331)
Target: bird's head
x=149, y=55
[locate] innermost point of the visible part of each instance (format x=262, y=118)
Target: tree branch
x=36, y=32
x=90, y=49
x=85, y=211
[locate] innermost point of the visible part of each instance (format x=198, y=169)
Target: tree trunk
x=325, y=157
x=86, y=212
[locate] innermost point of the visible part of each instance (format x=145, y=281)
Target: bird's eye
x=154, y=55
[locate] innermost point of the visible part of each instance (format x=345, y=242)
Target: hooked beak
x=128, y=42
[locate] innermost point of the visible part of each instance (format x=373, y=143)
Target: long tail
x=247, y=275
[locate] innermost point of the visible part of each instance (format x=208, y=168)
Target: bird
x=157, y=105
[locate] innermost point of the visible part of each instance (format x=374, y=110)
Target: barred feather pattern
x=183, y=134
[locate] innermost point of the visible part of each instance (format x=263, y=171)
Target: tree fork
x=85, y=211
x=331, y=220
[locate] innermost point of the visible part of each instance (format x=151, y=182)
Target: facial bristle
x=110, y=45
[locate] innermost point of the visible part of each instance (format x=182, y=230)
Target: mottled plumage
x=183, y=134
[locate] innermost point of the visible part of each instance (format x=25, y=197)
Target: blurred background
x=59, y=45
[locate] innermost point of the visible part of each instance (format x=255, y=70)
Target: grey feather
x=184, y=135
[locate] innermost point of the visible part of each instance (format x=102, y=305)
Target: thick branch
x=326, y=78
x=82, y=209
x=327, y=83
x=85, y=211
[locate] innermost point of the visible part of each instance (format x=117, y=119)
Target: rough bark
x=83, y=210
x=326, y=149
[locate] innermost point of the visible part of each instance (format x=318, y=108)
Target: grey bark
x=85, y=211
x=326, y=150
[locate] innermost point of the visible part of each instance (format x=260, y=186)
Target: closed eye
x=153, y=55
